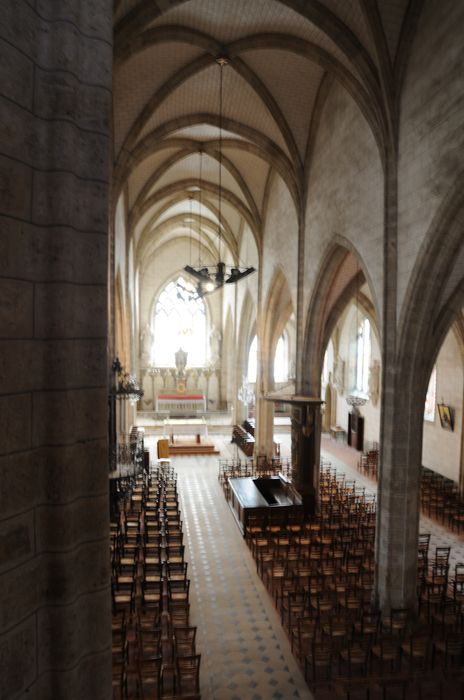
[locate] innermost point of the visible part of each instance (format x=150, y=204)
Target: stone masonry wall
x=55, y=100
x=345, y=192
x=431, y=134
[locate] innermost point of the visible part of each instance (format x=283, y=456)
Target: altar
x=181, y=404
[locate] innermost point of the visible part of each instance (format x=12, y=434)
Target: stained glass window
x=179, y=322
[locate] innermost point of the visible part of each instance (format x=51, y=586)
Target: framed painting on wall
x=446, y=414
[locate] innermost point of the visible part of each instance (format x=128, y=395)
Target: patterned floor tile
x=245, y=652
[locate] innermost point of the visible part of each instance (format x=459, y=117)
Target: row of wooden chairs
x=251, y=467
x=154, y=651
x=440, y=499
x=320, y=574
x=368, y=463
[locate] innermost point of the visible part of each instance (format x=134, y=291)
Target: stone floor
x=245, y=652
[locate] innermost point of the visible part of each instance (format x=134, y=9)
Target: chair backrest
x=442, y=555
x=424, y=541
x=188, y=673
x=184, y=640
x=454, y=646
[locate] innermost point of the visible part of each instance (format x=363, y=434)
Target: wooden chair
x=178, y=590
x=386, y=654
x=448, y=619
x=368, y=625
x=431, y=599
x=352, y=687
x=397, y=621
x=302, y=637
x=175, y=554
x=417, y=651
x=119, y=682
x=177, y=571
x=319, y=661
x=337, y=629
x=152, y=572
x=184, y=640
x=449, y=652
x=179, y=613
x=149, y=643
x=441, y=557
x=188, y=676
x=273, y=574
x=293, y=607
x=148, y=620
x=354, y=659
x=149, y=678
x=152, y=596
x=123, y=597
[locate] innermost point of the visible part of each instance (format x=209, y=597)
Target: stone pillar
x=400, y=436
x=398, y=508
x=461, y=461
x=55, y=103
x=306, y=438
x=264, y=428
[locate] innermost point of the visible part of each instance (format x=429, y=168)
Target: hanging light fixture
x=184, y=292
x=209, y=278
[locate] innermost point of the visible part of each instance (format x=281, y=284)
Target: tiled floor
x=245, y=652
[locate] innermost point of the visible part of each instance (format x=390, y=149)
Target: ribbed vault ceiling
x=166, y=102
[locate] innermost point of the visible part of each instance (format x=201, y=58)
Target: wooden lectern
x=163, y=449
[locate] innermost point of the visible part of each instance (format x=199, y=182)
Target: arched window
x=431, y=397
x=281, y=360
x=327, y=369
x=363, y=356
x=253, y=361
x=179, y=322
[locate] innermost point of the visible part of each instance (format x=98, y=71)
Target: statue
x=374, y=382
x=181, y=361
x=339, y=375
x=146, y=342
x=215, y=347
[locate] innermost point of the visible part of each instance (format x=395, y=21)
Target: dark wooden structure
x=356, y=430
x=270, y=497
x=243, y=439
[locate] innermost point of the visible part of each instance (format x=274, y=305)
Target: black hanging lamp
x=209, y=278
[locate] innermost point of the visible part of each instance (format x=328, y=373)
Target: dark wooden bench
x=243, y=439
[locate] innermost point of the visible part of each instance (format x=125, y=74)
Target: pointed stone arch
x=423, y=322
x=227, y=360
x=279, y=307
x=428, y=312
x=121, y=328
x=342, y=271
x=245, y=333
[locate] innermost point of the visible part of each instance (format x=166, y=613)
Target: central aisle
x=245, y=654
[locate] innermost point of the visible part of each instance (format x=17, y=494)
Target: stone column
x=264, y=428
x=398, y=509
x=461, y=461
x=306, y=438
x=264, y=433
x=400, y=437
x=55, y=103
